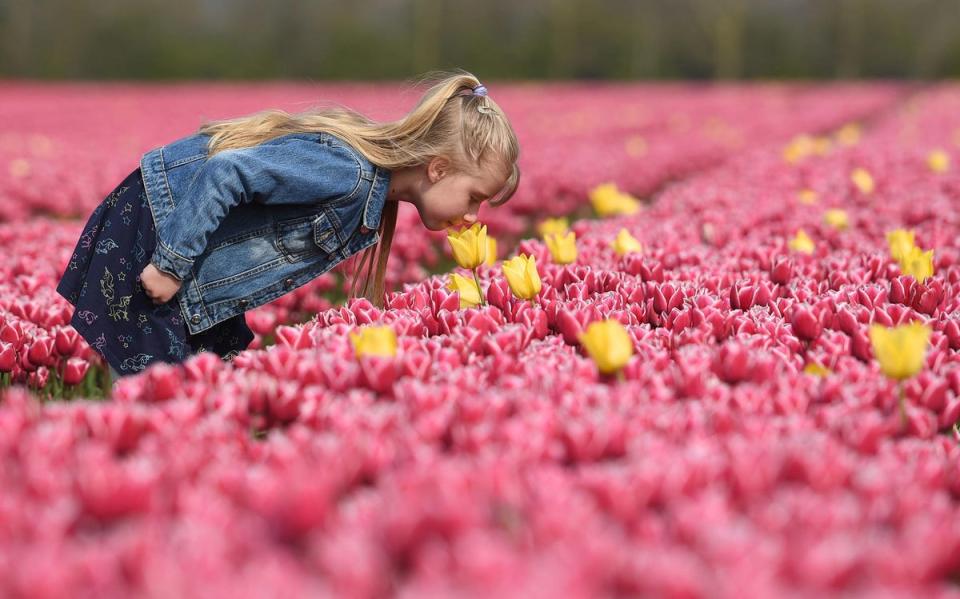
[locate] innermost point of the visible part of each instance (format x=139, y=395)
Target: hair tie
x=481, y=90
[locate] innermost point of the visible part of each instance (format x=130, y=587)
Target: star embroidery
x=126, y=220
x=121, y=276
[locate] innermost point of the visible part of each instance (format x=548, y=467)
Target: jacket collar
x=380, y=184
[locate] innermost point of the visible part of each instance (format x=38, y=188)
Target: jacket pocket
x=325, y=234
x=305, y=236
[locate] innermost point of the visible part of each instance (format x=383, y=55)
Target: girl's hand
x=158, y=285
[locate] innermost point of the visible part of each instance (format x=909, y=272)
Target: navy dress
x=113, y=312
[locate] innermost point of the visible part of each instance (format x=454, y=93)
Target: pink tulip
x=746, y=296
x=284, y=404
x=294, y=337
x=732, y=363
x=929, y=297
x=120, y=425
x=261, y=321
x=666, y=297
x=74, y=370
x=8, y=356
x=162, y=382
x=41, y=351
x=12, y=333
x=781, y=271
x=805, y=323
x=378, y=373
x=902, y=289
x=67, y=340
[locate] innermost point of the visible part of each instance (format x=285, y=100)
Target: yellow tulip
x=816, y=369
x=563, y=248
x=522, y=276
x=551, y=226
x=626, y=243
x=848, y=135
x=938, y=161
x=900, y=241
x=607, y=200
x=604, y=194
x=822, y=146
x=863, y=180
x=900, y=350
x=491, y=251
x=374, y=341
x=469, y=245
x=468, y=290
x=918, y=264
x=836, y=218
x=801, y=242
x=608, y=343
x=799, y=147
x=807, y=196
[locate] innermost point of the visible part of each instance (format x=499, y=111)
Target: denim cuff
x=169, y=262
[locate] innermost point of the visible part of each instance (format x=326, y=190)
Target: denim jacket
x=248, y=225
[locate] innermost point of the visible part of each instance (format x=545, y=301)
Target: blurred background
x=500, y=39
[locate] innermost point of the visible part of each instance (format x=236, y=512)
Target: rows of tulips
x=640, y=151
x=746, y=388
x=706, y=396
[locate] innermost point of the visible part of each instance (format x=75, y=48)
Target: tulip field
x=711, y=348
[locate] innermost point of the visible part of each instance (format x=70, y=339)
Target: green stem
x=483, y=300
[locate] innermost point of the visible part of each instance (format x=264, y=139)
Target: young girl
x=248, y=209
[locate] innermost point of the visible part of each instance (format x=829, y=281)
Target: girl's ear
x=437, y=168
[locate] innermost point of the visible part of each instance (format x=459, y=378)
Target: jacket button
x=242, y=303
x=288, y=282
x=195, y=319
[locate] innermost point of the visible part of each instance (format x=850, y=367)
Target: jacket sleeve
x=290, y=171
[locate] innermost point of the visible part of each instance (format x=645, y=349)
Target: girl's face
x=449, y=199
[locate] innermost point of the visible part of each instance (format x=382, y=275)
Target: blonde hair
x=449, y=120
